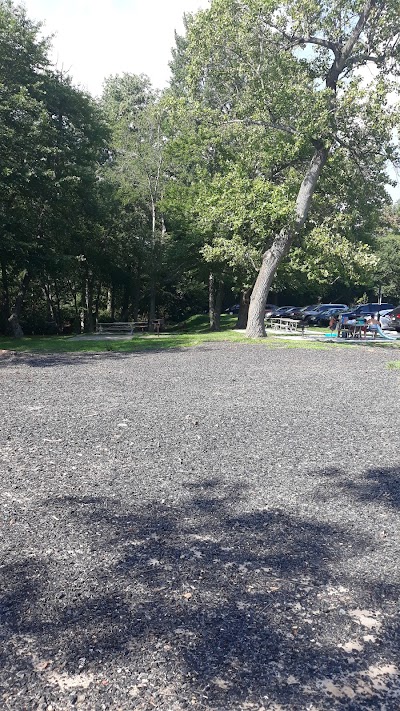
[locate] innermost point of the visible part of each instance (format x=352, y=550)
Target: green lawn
x=193, y=332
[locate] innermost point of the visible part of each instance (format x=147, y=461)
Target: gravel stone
x=212, y=528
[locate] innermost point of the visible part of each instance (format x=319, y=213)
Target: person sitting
x=373, y=324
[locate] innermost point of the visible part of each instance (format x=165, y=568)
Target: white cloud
x=96, y=38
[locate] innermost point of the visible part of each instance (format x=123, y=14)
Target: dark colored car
x=301, y=311
x=395, y=319
x=367, y=310
x=233, y=309
x=312, y=315
x=280, y=312
x=325, y=316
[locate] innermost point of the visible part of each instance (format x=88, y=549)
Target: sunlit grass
x=144, y=342
x=188, y=334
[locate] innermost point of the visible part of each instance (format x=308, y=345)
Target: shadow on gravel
x=377, y=486
x=50, y=360
x=200, y=606
x=47, y=360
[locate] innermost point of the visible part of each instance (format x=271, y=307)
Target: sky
x=96, y=38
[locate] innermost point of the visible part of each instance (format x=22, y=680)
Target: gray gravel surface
x=214, y=528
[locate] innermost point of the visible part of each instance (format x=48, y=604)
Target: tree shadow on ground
x=378, y=485
x=49, y=360
x=192, y=604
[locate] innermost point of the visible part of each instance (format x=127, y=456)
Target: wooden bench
x=285, y=324
x=129, y=326
x=117, y=327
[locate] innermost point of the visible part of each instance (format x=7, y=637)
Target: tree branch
x=264, y=124
x=312, y=39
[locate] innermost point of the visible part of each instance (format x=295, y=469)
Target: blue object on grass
x=378, y=329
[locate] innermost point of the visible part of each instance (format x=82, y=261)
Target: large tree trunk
x=211, y=301
x=218, y=304
x=49, y=300
x=87, y=303
x=243, y=308
x=97, y=303
x=152, y=311
x=109, y=301
x=74, y=294
x=5, y=293
x=281, y=245
x=215, y=297
x=136, y=293
x=16, y=310
x=126, y=295
x=59, y=318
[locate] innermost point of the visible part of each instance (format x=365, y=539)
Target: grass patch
x=199, y=323
x=144, y=342
x=394, y=365
x=193, y=332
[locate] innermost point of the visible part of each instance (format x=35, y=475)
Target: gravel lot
x=213, y=528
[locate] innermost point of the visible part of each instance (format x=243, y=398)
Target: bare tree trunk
x=113, y=301
x=218, y=304
x=109, y=301
x=97, y=303
x=152, y=312
x=136, y=293
x=16, y=310
x=125, y=302
x=49, y=300
x=77, y=320
x=211, y=301
x=5, y=293
x=59, y=320
x=243, y=308
x=89, y=326
x=87, y=303
x=281, y=245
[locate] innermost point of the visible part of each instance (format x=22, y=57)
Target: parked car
x=280, y=312
x=325, y=316
x=312, y=316
x=300, y=312
x=395, y=319
x=367, y=310
x=233, y=309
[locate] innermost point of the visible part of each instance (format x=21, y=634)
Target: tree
x=387, y=273
x=53, y=140
x=293, y=71
x=136, y=116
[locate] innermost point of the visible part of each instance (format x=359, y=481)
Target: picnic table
x=285, y=324
x=130, y=326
